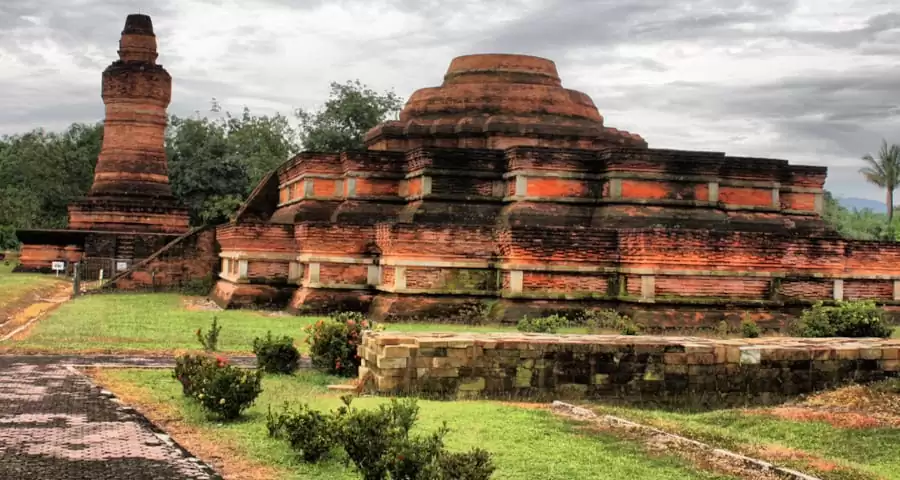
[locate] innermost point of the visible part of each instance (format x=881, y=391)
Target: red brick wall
x=443, y=185
x=759, y=197
x=418, y=241
x=333, y=238
x=414, y=187
x=721, y=287
x=257, y=269
x=557, y=187
x=343, y=274
x=868, y=289
x=633, y=285
x=798, y=201
x=374, y=186
x=564, y=282
x=387, y=276
x=325, y=187
x=653, y=189
x=807, y=289
x=193, y=257
x=258, y=237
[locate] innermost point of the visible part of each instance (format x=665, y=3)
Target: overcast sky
x=811, y=81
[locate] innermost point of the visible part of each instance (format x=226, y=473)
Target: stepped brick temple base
x=501, y=194
x=624, y=367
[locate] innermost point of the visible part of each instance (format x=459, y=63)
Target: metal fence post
x=76, y=279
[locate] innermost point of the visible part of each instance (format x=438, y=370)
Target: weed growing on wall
x=846, y=319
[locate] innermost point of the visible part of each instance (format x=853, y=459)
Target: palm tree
x=884, y=171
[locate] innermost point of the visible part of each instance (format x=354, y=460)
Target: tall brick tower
x=131, y=191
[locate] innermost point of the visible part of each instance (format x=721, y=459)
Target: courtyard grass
x=526, y=443
x=828, y=451
x=163, y=323
x=15, y=288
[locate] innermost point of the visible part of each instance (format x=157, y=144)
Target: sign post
x=58, y=267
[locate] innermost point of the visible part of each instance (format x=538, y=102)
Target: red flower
x=351, y=322
x=221, y=361
x=365, y=324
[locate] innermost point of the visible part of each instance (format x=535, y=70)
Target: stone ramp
x=55, y=424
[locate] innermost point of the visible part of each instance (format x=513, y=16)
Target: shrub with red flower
x=334, y=343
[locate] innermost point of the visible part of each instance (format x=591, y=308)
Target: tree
x=350, y=111
x=214, y=164
x=41, y=173
x=884, y=172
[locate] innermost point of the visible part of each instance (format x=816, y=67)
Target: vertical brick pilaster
x=426, y=185
x=295, y=271
x=896, y=289
x=339, y=188
x=351, y=187
x=374, y=275
x=314, y=269
x=615, y=188
x=516, y=281
x=713, y=188
x=776, y=197
x=521, y=186
x=648, y=287
x=399, y=278
x=243, y=267
x=307, y=188
x=838, y=289
x=819, y=203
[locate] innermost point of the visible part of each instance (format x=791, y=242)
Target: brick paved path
x=54, y=424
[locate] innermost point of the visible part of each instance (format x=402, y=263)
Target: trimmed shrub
x=629, y=328
x=309, y=431
x=474, y=465
x=846, y=319
x=225, y=390
x=378, y=442
x=276, y=355
x=187, y=371
x=548, y=324
x=210, y=340
x=333, y=343
x=606, y=319
x=749, y=328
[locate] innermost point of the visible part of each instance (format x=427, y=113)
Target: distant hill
x=855, y=203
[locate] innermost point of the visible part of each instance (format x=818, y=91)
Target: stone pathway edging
x=140, y=419
x=126, y=361
x=763, y=467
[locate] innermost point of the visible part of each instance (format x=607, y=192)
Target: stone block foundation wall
x=632, y=368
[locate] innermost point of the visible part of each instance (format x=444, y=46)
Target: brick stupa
x=500, y=193
x=129, y=211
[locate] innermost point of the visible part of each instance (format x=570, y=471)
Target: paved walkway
x=55, y=424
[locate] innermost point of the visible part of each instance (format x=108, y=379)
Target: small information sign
x=58, y=267
x=121, y=266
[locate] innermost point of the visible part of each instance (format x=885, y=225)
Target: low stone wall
x=631, y=368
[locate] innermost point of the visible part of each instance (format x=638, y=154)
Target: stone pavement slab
x=55, y=424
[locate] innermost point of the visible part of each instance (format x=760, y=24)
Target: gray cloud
x=749, y=77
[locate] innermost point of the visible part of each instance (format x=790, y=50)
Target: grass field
x=164, y=323
x=790, y=436
x=16, y=287
x=526, y=443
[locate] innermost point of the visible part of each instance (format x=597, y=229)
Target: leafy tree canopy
x=351, y=110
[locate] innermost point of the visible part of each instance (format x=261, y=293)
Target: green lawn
x=526, y=443
x=859, y=453
x=161, y=323
x=15, y=287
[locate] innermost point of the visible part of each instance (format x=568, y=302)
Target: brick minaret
x=131, y=190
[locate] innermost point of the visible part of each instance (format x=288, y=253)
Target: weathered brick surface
x=596, y=366
x=712, y=287
x=190, y=258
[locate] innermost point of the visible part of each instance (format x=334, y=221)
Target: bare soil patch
x=33, y=305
